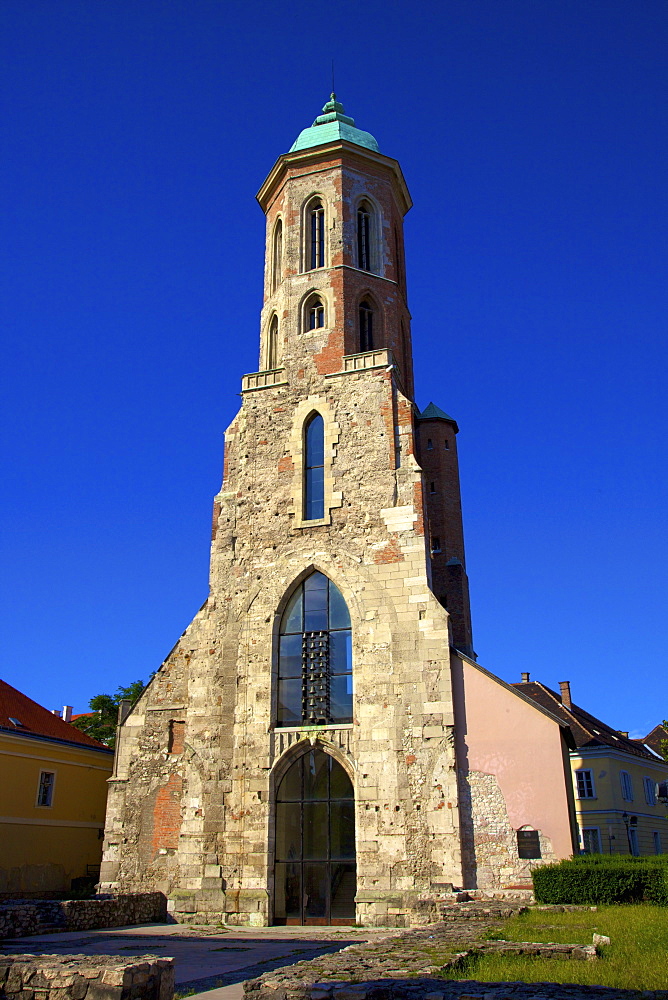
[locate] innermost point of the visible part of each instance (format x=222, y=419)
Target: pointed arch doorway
x=315, y=872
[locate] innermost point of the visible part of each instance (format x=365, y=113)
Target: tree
x=101, y=723
x=664, y=743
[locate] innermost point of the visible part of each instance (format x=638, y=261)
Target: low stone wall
x=83, y=977
x=21, y=919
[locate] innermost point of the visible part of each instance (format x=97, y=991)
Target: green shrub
x=599, y=878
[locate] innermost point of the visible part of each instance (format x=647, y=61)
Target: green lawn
x=637, y=957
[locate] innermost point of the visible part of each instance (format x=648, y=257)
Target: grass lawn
x=635, y=959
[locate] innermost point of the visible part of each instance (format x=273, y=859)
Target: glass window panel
x=288, y=892
x=316, y=774
x=292, y=616
x=315, y=830
x=315, y=621
x=341, y=787
x=315, y=442
x=341, y=698
x=315, y=600
x=316, y=581
x=340, y=652
x=343, y=886
x=315, y=891
x=339, y=616
x=342, y=830
x=288, y=831
x=290, y=658
x=315, y=498
x=289, y=701
x=290, y=788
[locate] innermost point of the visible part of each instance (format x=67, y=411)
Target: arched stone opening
x=315, y=877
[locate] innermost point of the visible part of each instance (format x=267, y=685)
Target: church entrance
x=315, y=875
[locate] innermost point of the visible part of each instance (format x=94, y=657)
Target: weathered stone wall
x=19, y=919
x=494, y=842
x=82, y=977
x=197, y=823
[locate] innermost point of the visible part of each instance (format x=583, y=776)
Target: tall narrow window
x=315, y=656
x=366, y=327
x=314, y=468
x=47, y=780
x=627, y=786
x=272, y=343
x=277, y=257
x=317, y=248
x=364, y=237
x=316, y=314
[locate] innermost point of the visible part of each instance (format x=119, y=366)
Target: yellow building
x=53, y=793
x=620, y=784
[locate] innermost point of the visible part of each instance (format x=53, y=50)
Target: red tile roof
x=587, y=730
x=38, y=721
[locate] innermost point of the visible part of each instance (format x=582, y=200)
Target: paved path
x=206, y=959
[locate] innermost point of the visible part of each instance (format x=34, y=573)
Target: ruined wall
x=78, y=977
x=220, y=679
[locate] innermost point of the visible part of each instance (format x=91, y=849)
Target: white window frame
x=649, y=784
x=597, y=832
x=51, y=789
x=587, y=776
x=626, y=786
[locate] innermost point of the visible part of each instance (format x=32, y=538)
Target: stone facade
x=192, y=800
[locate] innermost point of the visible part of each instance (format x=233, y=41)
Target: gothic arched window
x=315, y=314
x=366, y=326
x=364, y=237
x=315, y=656
x=272, y=343
x=277, y=257
x=316, y=249
x=314, y=468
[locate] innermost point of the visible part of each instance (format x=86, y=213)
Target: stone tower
x=293, y=758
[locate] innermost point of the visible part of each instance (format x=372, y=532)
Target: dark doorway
x=315, y=875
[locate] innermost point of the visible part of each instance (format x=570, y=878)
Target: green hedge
x=599, y=878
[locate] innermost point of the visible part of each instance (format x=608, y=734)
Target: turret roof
x=331, y=126
x=433, y=412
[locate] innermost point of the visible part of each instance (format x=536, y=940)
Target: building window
x=447, y=445
x=656, y=837
x=272, y=344
x=364, y=237
x=316, y=222
x=177, y=732
x=633, y=842
x=591, y=840
x=277, y=257
x=585, y=784
x=366, y=326
x=430, y=444
x=47, y=780
x=627, y=786
x=435, y=545
x=314, y=468
x=432, y=487
x=650, y=790
x=316, y=314
x=315, y=656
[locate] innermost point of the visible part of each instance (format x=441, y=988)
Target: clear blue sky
x=533, y=137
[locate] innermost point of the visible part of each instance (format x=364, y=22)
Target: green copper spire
x=331, y=126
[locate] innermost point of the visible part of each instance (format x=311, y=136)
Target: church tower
x=293, y=760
